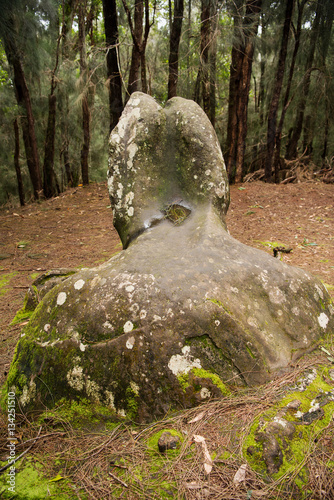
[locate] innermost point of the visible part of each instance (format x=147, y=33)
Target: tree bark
x=137, y=35
x=17, y=163
x=85, y=104
x=174, y=42
x=49, y=178
x=286, y=102
x=204, y=55
x=297, y=130
x=273, y=109
x=113, y=72
x=27, y=119
x=240, y=79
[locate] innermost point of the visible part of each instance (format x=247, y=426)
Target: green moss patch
x=307, y=411
x=31, y=484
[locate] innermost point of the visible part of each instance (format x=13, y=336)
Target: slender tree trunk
x=137, y=35
x=50, y=183
x=213, y=63
x=188, y=48
x=286, y=102
x=293, y=143
x=49, y=177
x=273, y=109
x=63, y=97
x=174, y=43
x=240, y=79
x=17, y=163
x=27, y=120
x=113, y=71
x=204, y=56
x=85, y=104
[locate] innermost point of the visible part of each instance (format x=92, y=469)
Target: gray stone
x=186, y=308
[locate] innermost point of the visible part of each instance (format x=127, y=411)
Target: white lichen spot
x=110, y=399
x=130, y=342
x=156, y=318
x=61, y=299
x=135, y=101
x=299, y=414
x=276, y=295
x=28, y=393
x=79, y=284
x=129, y=288
x=295, y=311
x=320, y=292
x=252, y=322
x=234, y=290
x=208, y=172
x=130, y=211
x=82, y=347
x=205, y=393
x=128, y=327
x=107, y=324
x=134, y=387
x=217, y=322
x=183, y=363
x=119, y=191
x=47, y=327
x=75, y=378
x=323, y=320
x=143, y=314
x=280, y=421
x=93, y=390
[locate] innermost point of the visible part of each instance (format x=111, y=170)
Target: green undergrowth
x=32, y=484
x=81, y=414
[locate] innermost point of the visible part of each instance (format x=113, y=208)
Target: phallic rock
x=168, y=442
x=186, y=308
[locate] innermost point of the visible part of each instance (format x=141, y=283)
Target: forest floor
x=75, y=230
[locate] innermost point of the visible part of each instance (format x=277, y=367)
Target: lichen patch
x=323, y=320
x=79, y=284
x=183, y=363
x=61, y=299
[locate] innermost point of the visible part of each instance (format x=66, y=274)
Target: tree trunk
x=113, y=72
x=213, y=63
x=137, y=35
x=240, y=79
x=273, y=109
x=63, y=97
x=204, y=55
x=293, y=143
x=17, y=163
x=49, y=176
x=27, y=120
x=286, y=102
x=174, y=43
x=85, y=104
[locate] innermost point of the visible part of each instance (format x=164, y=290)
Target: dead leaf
x=193, y=485
x=207, y=458
x=240, y=475
x=197, y=418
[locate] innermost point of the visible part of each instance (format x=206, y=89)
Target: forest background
x=262, y=71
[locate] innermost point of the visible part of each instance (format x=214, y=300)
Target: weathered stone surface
x=186, y=308
x=159, y=156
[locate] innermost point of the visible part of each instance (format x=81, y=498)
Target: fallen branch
x=118, y=479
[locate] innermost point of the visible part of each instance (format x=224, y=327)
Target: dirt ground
x=75, y=230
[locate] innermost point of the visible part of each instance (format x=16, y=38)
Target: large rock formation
x=186, y=310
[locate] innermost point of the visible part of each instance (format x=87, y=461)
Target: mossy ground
x=301, y=445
